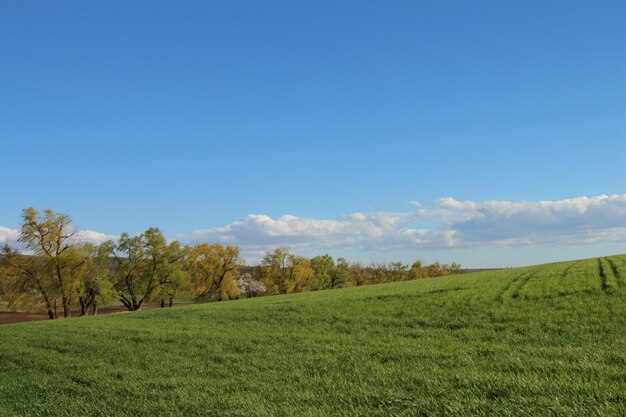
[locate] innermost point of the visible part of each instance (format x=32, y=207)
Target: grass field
x=543, y=340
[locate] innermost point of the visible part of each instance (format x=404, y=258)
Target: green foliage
x=45, y=235
x=537, y=341
x=329, y=274
x=146, y=267
x=93, y=284
x=397, y=271
x=32, y=282
x=282, y=272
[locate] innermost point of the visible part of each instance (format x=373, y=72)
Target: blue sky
x=195, y=115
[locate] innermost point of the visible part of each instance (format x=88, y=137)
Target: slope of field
x=544, y=340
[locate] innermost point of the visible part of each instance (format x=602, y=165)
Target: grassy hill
x=543, y=340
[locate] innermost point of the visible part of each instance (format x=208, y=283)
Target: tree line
x=283, y=272
x=62, y=275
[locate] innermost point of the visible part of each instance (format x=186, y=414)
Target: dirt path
x=7, y=317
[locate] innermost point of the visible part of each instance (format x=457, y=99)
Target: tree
x=283, y=272
x=454, y=269
x=434, y=270
x=143, y=264
x=213, y=269
x=250, y=286
x=26, y=282
x=358, y=275
x=94, y=284
x=300, y=274
x=417, y=270
x=49, y=236
x=377, y=273
x=272, y=270
x=3, y=296
x=329, y=274
x=398, y=272
x=177, y=283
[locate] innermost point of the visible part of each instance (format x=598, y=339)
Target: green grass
x=544, y=340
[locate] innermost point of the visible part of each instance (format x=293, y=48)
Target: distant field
x=542, y=340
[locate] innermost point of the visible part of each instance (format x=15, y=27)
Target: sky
x=488, y=133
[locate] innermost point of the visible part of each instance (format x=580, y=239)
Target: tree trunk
x=95, y=308
x=171, y=301
x=67, y=310
x=126, y=302
x=83, y=306
x=162, y=302
x=130, y=302
x=46, y=300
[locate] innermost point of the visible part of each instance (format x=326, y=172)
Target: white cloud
x=90, y=236
x=448, y=224
x=572, y=221
x=459, y=224
x=9, y=236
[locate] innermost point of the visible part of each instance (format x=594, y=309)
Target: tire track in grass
x=520, y=279
x=601, y=273
x=564, y=276
x=622, y=260
x=567, y=270
x=500, y=294
x=522, y=283
x=616, y=272
x=608, y=282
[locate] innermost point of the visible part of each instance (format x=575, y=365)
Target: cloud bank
x=449, y=223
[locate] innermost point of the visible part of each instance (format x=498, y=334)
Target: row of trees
x=61, y=274
x=283, y=272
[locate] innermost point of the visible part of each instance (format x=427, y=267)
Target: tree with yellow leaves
x=283, y=272
x=213, y=269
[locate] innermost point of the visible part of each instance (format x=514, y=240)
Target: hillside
x=542, y=340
